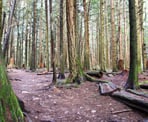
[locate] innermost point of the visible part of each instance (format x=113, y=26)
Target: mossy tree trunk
x=132, y=81
x=9, y=107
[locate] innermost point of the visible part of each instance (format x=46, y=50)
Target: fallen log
x=131, y=100
x=89, y=78
x=144, y=86
x=107, y=88
x=137, y=93
x=97, y=74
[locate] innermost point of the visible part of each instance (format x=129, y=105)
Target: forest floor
x=82, y=104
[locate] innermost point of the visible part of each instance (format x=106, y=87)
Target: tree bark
x=102, y=46
x=86, y=34
x=62, y=62
x=6, y=41
x=47, y=35
x=71, y=35
x=52, y=45
x=131, y=101
x=114, y=45
x=33, y=55
x=132, y=82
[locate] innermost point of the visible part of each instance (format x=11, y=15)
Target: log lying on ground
x=45, y=73
x=89, y=78
x=107, y=88
x=131, y=100
x=138, y=93
x=144, y=86
x=97, y=74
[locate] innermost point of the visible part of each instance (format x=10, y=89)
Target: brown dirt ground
x=82, y=104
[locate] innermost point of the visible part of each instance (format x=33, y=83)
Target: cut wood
x=131, y=100
x=92, y=79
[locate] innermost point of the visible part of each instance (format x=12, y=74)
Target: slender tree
x=33, y=55
x=52, y=44
x=6, y=41
x=86, y=34
x=102, y=46
x=132, y=81
x=139, y=18
x=62, y=62
x=47, y=35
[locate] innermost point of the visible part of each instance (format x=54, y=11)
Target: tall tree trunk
x=86, y=34
x=47, y=35
x=120, y=33
x=62, y=61
x=71, y=35
x=3, y=23
x=139, y=17
x=114, y=46
x=6, y=41
x=33, y=56
x=52, y=45
x=107, y=37
x=126, y=49
x=102, y=46
x=132, y=81
x=26, y=43
x=18, y=48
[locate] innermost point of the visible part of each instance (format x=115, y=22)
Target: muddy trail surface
x=82, y=104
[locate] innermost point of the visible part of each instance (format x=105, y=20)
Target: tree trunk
x=62, y=61
x=114, y=46
x=33, y=55
x=47, y=35
x=102, y=46
x=71, y=35
x=86, y=34
x=132, y=81
x=6, y=41
x=52, y=45
x=139, y=17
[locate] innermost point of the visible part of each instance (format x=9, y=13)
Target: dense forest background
x=32, y=28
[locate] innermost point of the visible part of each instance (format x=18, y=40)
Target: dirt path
x=83, y=104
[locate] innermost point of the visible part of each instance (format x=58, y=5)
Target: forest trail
x=82, y=104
